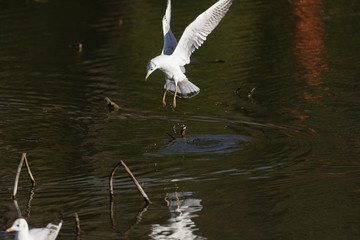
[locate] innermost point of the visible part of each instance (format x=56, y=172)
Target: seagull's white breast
x=171, y=69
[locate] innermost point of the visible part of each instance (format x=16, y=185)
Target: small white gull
x=175, y=56
x=49, y=232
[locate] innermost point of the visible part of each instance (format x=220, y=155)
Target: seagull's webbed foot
x=163, y=101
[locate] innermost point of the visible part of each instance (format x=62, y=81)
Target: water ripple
x=205, y=144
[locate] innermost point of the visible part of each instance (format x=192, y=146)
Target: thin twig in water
x=111, y=179
x=29, y=171
x=17, y=177
x=16, y=183
x=172, y=137
x=138, y=186
x=17, y=208
x=251, y=93
x=183, y=130
x=237, y=91
x=77, y=222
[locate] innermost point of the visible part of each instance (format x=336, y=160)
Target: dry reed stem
x=77, y=222
x=138, y=186
x=17, y=208
x=16, y=183
x=29, y=171
x=111, y=179
x=17, y=177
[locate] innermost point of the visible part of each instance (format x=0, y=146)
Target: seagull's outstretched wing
x=170, y=42
x=195, y=34
x=169, y=38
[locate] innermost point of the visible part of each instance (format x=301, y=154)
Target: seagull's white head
x=152, y=66
x=19, y=225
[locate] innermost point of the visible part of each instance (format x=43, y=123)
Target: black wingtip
x=58, y=219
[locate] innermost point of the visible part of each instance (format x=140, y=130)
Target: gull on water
x=49, y=232
x=175, y=55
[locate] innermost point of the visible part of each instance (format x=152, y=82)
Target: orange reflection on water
x=309, y=49
x=310, y=56
x=308, y=41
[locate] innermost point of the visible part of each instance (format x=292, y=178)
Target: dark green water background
x=282, y=166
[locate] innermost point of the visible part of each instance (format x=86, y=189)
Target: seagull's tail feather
x=186, y=89
x=53, y=228
x=56, y=224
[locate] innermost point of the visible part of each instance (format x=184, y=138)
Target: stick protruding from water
x=77, y=223
x=16, y=183
x=138, y=186
x=112, y=105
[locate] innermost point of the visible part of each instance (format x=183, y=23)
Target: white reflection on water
x=180, y=225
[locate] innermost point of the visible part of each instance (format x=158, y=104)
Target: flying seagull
x=49, y=232
x=175, y=55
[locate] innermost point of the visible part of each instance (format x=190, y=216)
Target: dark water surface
x=283, y=165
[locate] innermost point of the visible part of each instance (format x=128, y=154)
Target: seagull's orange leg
x=163, y=102
x=174, y=102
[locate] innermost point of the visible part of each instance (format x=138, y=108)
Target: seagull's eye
x=18, y=225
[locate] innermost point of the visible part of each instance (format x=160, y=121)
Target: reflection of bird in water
x=49, y=232
x=175, y=56
x=180, y=225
